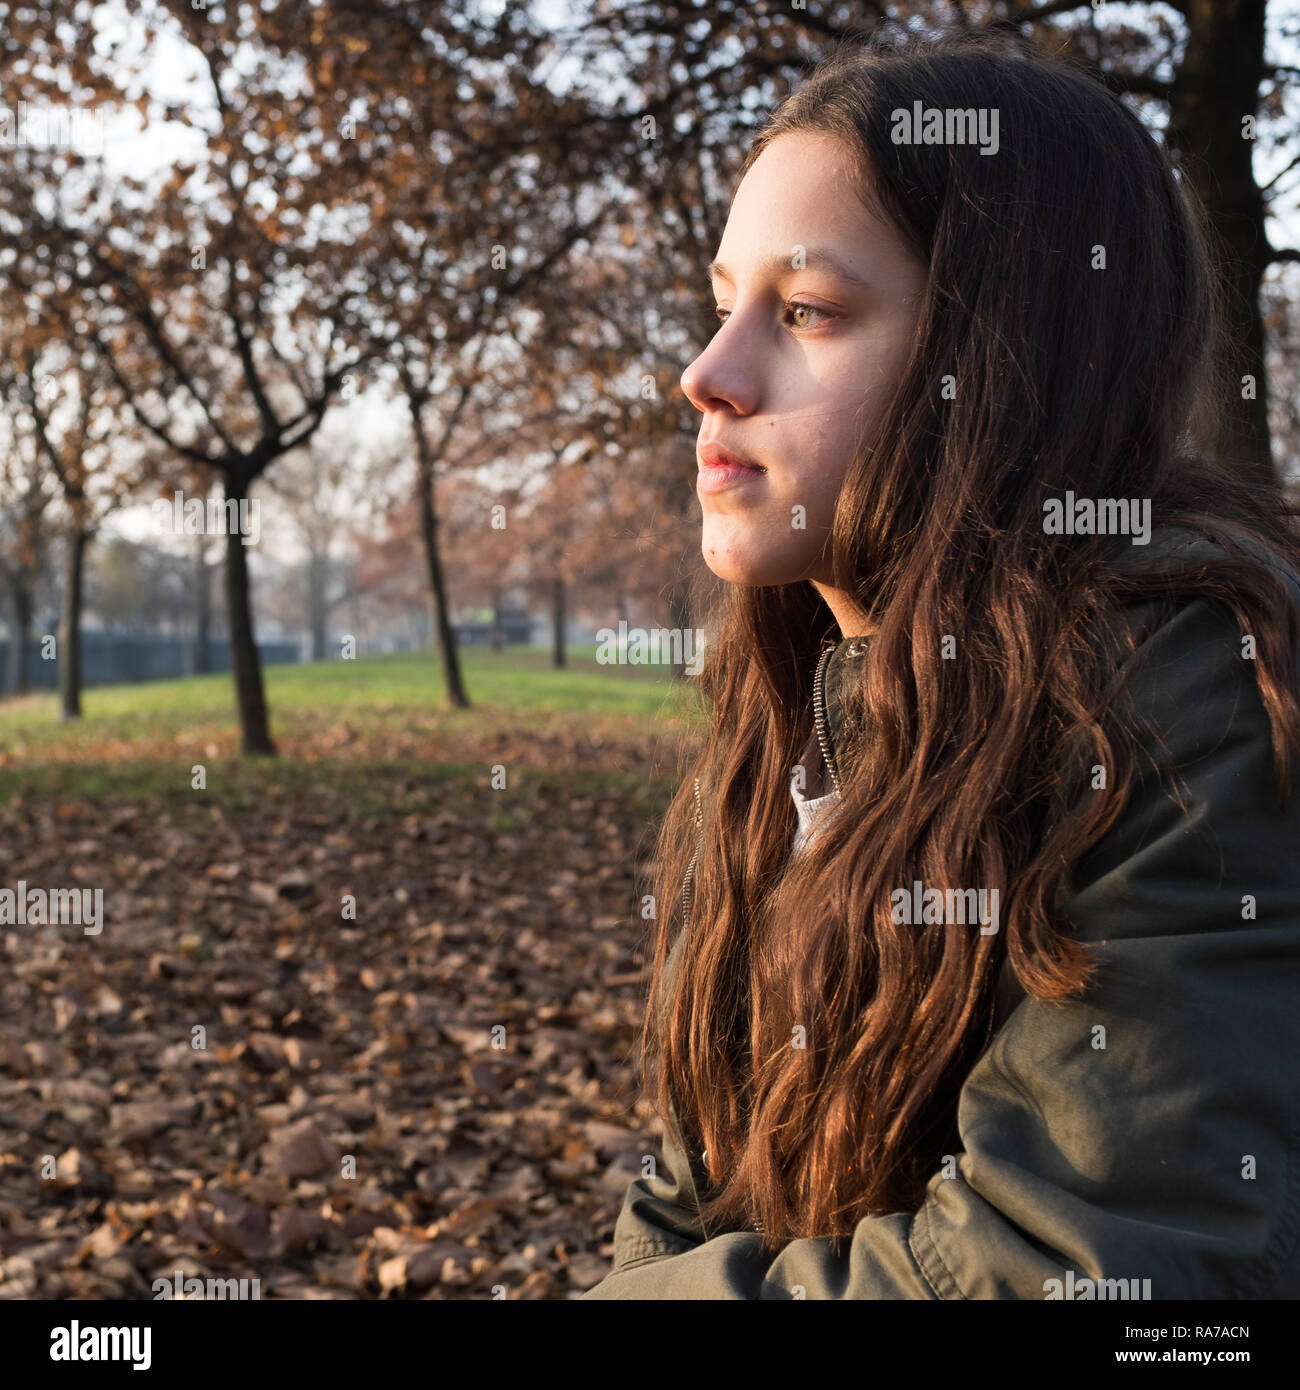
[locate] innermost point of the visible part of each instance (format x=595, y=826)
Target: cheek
x=777, y=538
x=821, y=462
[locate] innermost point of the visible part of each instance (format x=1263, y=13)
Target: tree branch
x=271, y=425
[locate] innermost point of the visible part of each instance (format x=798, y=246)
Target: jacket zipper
x=688, y=879
x=819, y=715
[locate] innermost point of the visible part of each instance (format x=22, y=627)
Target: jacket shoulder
x=1194, y=666
x=1178, y=547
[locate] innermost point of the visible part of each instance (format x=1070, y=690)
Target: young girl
x=995, y=997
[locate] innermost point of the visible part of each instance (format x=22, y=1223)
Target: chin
x=745, y=559
x=733, y=572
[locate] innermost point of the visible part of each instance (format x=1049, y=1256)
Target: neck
x=851, y=620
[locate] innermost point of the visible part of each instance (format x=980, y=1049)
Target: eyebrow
x=814, y=258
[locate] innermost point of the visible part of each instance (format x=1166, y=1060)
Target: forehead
x=803, y=182
x=805, y=190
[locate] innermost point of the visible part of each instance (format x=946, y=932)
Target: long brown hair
x=973, y=771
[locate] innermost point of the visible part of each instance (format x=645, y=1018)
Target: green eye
x=793, y=307
x=796, y=308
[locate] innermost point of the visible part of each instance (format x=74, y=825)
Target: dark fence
x=514, y=632
x=110, y=657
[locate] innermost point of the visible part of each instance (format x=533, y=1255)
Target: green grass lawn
x=379, y=686
x=385, y=719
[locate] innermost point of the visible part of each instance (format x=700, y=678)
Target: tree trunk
x=447, y=648
x=558, y=658
x=20, y=607
x=316, y=614
x=244, y=657
x=202, y=611
x=70, y=627
x=1215, y=85
x=496, y=638
x=679, y=610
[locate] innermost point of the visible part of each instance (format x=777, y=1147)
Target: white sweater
x=811, y=805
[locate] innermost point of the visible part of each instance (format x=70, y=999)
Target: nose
x=719, y=376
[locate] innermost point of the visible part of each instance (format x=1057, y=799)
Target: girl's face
x=818, y=300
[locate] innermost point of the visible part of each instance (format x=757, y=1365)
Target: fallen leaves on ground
x=237, y=1079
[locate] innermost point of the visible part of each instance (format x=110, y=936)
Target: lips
x=713, y=455
x=721, y=470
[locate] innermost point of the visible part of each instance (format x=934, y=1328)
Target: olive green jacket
x=1171, y=1153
